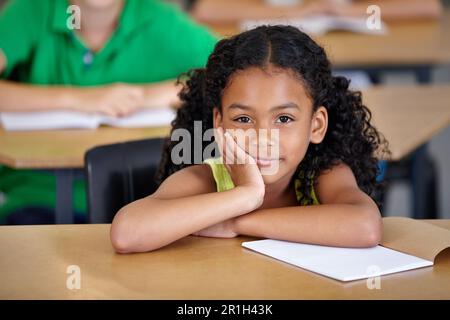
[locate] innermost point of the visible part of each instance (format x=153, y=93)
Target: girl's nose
x=265, y=141
x=267, y=137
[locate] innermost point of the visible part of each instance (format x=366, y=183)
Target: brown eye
x=284, y=119
x=243, y=119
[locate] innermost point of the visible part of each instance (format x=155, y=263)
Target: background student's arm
x=162, y=94
x=115, y=100
x=346, y=217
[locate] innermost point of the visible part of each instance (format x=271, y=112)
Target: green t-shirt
x=154, y=41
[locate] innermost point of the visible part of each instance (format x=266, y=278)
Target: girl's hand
x=224, y=229
x=242, y=167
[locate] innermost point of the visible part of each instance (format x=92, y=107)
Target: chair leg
x=424, y=191
x=63, y=207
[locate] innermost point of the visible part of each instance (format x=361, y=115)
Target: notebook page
x=142, y=118
x=48, y=120
x=319, y=24
x=344, y=264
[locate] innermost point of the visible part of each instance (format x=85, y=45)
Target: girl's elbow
x=124, y=234
x=125, y=237
x=372, y=231
x=372, y=238
x=119, y=234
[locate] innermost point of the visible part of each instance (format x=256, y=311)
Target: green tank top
x=224, y=181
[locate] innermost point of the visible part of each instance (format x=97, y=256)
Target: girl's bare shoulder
x=189, y=181
x=334, y=180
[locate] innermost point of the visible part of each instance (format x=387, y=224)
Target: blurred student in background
x=125, y=55
x=233, y=11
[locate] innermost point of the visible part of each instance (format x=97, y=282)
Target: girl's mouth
x=266, y=162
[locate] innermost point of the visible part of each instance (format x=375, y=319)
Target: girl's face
x=273, y=99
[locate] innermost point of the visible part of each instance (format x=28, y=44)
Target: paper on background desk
x=62, y=119
x=319, y=24
x=407, y=244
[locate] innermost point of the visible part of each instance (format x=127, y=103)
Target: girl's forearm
x=342, y=225
x=25, y=97
x=151, y=223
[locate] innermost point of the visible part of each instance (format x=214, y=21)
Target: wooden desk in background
x=415, y=44
x=407, y=115
x=34, y=262
x=63, y=151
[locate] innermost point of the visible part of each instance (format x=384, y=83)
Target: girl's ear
x=217, y=118
x=319, y=125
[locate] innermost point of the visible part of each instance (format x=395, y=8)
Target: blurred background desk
x=414, y=45
x=63, y=151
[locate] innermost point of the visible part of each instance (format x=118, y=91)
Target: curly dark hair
x=350, y=137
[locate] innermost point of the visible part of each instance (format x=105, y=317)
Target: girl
x=273, y=78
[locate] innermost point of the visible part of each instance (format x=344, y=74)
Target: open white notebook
x=407, y=244
x=320, y=24
x=62, y=119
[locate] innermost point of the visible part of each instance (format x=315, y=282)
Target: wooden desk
x=408, y=116
x=58, y=149
x=34, y=260
x=406, y=44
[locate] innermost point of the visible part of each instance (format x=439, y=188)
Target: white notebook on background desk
x=416, y=245
x=321, y=24
x=62, y=119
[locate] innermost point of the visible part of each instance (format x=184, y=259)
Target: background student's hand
x=114, y=100
x=242, y=167
x=224, y=229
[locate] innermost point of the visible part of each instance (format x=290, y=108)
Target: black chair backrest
x=118, y=174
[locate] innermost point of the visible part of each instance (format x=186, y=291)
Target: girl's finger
x=218, y=134
x=242, y=156
x=230, y=149
x=218, y=137
x=224, y=150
